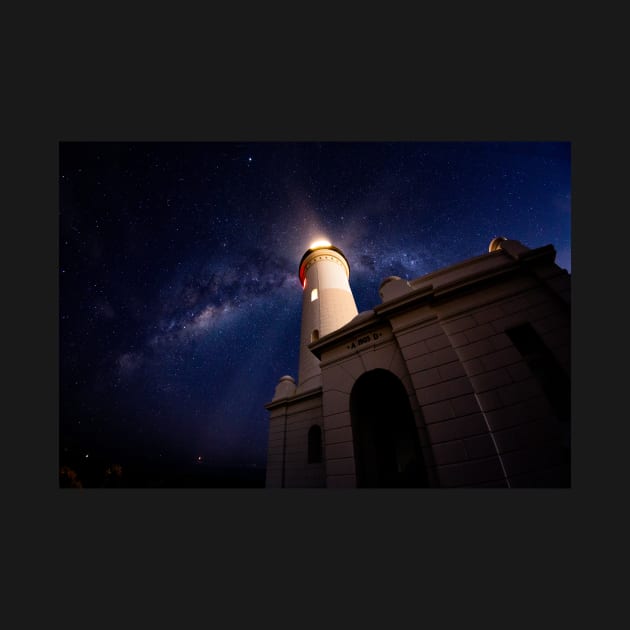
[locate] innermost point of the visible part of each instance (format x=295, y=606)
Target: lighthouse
x=458, y=378
x=327, y=304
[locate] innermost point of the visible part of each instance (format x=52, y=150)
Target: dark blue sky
x=179, y=292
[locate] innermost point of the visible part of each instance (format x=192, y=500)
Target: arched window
x=315, y=335
x=315, y=444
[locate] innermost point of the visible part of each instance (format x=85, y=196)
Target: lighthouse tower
x=327, y=304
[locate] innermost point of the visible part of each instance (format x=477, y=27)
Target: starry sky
x=179, y=297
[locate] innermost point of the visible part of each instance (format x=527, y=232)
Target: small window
x=315, y=335
x=315, y=444
x=313, y=295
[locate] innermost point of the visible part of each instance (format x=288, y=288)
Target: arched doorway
x=386, y=445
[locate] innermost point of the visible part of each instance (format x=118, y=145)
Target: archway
x=386, y=445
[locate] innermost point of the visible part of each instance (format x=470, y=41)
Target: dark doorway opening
x=544, y=367
x=386, y=444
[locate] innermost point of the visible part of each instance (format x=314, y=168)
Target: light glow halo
x=322, y=243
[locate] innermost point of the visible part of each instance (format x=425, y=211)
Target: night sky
x=179, y=298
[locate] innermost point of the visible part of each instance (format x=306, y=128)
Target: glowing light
x=316, y=244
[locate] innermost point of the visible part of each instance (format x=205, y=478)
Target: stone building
x=459, y=378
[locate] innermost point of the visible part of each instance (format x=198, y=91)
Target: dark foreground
x=100, y=474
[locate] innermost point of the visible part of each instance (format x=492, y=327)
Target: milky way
x=179, y=294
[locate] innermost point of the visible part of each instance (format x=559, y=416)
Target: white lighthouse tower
x=327, y=304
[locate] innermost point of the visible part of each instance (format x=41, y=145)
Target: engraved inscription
x=367, y=338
